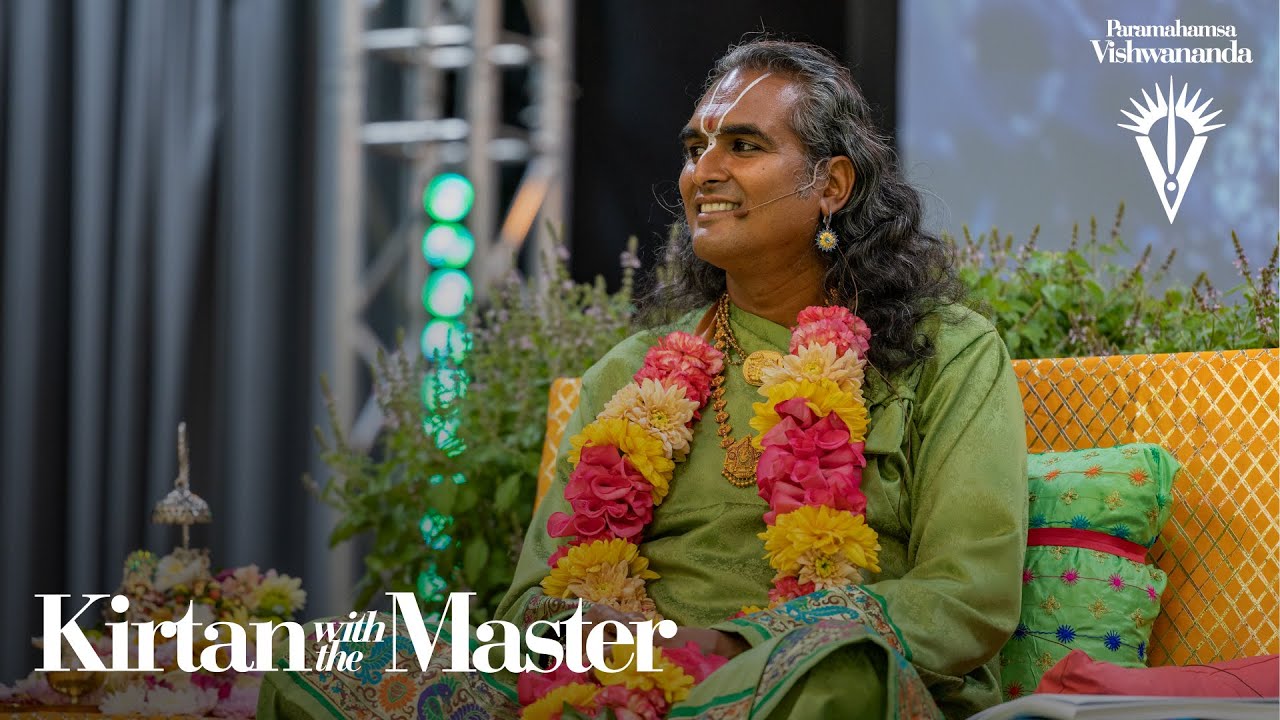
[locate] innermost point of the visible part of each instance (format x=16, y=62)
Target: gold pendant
x=753, y=367
x=740, y=460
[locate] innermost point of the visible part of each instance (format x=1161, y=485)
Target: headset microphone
x=743, y=211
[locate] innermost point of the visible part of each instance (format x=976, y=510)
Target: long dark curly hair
x=886, y=267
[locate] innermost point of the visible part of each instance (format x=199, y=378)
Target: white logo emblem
x=1172, y=177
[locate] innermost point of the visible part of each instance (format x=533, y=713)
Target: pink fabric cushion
x=1078, y=674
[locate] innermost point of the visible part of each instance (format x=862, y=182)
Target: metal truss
x=449, y=54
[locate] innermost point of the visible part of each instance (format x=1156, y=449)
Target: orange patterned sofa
x=1217, y=412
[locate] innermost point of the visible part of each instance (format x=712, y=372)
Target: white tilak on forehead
x=702, y=121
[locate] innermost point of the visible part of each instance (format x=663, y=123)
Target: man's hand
x=709, y=641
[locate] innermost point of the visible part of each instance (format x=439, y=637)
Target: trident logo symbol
x=1171, y=177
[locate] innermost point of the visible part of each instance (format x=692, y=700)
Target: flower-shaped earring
x=827, y=239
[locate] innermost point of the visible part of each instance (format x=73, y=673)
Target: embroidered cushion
x=1086, y=583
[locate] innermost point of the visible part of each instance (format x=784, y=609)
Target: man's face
x=754, y=158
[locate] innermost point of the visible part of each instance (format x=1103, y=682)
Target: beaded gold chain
x=740, y=456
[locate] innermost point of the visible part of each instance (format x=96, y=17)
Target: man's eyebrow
x=747, y=129
x=689, y=133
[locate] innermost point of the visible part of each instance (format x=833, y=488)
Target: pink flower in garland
x=836, y=325
x=788, y=588
x=609, y=497
x=684, y=359
x=628, y=704
x=559, y=553
x=531, y=686
x=692, y=661
x=809, y=461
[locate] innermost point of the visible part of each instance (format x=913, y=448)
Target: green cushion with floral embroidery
x=1087, y=584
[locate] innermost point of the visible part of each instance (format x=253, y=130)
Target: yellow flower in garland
x=816, y=363
x=594, y=564
x=812, y=531
x=645, y=452
x=667, y=676
x=577, y=695
x=823, y=397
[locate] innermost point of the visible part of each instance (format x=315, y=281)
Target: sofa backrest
x=1219, y=414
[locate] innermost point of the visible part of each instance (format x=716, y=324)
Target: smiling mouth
x=717, y=207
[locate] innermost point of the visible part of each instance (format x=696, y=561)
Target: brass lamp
x=181, y=506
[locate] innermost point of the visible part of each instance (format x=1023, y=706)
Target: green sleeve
x=959, y=601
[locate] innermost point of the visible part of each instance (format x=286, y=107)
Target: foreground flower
x=628, y=704
x=644, y=451
x=815, y=363
x=666, y=676
x=809, y=461
x=820, y=530
x=609, y=497
x=580, y=696
x=823, y=397
x=831, y=324
x=277, y=595
x=786, y=589
x=533, y=685
x=693, y=661
x=661, y=409
x=686, y=360
x=582, y=562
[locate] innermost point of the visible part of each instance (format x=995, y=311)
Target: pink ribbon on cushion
x=1087, y=539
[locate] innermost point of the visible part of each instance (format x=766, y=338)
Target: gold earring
x=827, y=239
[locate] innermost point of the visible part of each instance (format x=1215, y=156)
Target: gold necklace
x=740, y=456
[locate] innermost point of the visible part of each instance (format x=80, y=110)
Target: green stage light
x=445, y=339
x=444, y=430
x=443, y=387
x=431, y=586
x=447, y=293
x=435, y=530
x=448, y=197
x=448, y=245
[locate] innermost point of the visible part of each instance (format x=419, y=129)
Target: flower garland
x=811, y=431
x=622, y=465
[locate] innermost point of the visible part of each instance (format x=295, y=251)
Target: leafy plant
x=444, y=499
x=447, y=493
x=1081, y=301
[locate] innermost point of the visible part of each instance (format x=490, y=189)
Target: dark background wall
x=640, y=69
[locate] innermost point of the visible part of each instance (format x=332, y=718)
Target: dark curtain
x=156, y=208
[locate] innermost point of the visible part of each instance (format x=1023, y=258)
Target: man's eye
x=693, y=152
x=744, y=146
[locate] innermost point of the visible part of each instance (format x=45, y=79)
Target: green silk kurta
x=946, y=491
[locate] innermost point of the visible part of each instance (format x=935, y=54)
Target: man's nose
x=710, y=167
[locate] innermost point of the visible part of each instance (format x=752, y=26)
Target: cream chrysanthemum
x=826, y=571
x=612, y=584
x=646, y=452
x=815, y=530
x=593, y=565
x=663, y=410
x=814, y=363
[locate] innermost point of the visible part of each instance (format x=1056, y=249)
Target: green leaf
x=1055, y=296
x=475, y=559
x=508, y=493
